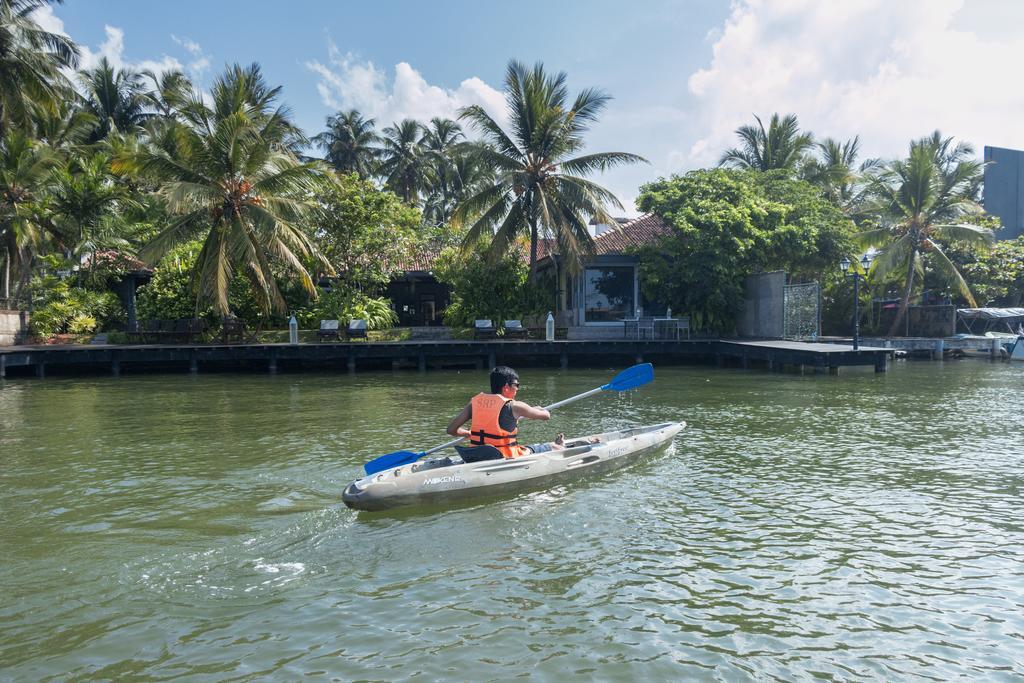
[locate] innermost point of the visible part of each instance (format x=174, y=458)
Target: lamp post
x=865, y=263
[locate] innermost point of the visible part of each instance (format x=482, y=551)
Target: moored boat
x=443, y=480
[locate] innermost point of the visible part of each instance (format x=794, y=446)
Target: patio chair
x=233, y=330
x=356, y=328
x=484, y=329
x=514, y=330
x=630, y=328
x=328, y=330
x=683, y=325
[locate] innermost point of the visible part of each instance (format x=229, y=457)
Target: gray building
x=1004, y=189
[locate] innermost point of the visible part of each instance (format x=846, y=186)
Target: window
x=608, y=294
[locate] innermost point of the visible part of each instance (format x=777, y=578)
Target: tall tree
x=116, y=97
x=227, y=173
x=781, y=146
x=171, y=90
x=920, y=203
x=404, y=163
x=539, y=185
x=444, y=144
x=835, y=171
x=349, y=143
x=31, y=60
x=25, y=176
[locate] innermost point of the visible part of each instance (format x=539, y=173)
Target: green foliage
x=363, y=233
x=729, y=224
x=67, y=309
x=495, y=290
x=997, y=274
x=171, y=293
x=344, y=305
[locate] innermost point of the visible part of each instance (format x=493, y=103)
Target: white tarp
x=989, y=313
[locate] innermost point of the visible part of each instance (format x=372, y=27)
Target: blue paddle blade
x=631, y=378
x=386, y=462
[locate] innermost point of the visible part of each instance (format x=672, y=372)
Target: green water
x=855, y=527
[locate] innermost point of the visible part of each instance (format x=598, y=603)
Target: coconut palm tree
x=922, y=202
x=229, y=177
x=31, y=60
x=781, y=146
x=837, y=173
x=445, y=146
x=350, y=143
x=25, y=176
x=539, y=186
x=116, y=97
x=171, y=89
x=404, y=162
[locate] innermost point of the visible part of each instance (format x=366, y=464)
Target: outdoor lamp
x=845, y=264
x=865, y=262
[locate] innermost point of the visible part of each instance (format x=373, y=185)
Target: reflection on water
x=854, y=527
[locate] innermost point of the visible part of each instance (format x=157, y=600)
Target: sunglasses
x=514, y=384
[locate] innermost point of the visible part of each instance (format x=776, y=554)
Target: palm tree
x=116, y=97
x=921, y=202
x=229, y=177
x=404, y=162
x=444, y=143
x=836, y=172
x=782, y=146
x=539, y=185
x=25, y=172
x=350, y=143
x=83, y=196
x=31, y=60
x=171, y=90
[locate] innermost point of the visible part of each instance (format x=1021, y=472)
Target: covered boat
x=443, y=480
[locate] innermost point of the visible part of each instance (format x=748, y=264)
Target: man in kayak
x=495, y=417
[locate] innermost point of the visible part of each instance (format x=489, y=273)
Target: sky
x=683, y=74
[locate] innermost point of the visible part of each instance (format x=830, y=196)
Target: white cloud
x=113, y=47
x=346, y=82
x=888, y=71
x=200, y=60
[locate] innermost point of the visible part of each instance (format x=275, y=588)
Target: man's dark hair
x=500, y=376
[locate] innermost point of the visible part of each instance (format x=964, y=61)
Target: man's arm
x=455, y=426
x=524, y=411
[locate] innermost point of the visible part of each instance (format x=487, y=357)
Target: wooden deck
x=424, y=355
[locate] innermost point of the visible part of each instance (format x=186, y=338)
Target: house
x=1004, y=189
x=608, y=287
x=416, y=295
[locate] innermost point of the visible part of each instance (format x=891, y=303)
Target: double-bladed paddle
x=630, y=378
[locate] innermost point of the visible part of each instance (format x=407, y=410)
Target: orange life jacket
x=486, y=427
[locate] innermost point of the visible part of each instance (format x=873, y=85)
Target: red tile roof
x=422, y=259
x=643, y=230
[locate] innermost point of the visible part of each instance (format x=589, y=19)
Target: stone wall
x=12, y=324
x=764, y=305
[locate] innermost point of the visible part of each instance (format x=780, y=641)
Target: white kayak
x=443, y=480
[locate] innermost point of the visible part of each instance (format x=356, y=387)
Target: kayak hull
x=431, y=482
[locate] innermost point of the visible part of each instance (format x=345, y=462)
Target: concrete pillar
x=491, y=359
x=351, y=363
x=3, y=367
x=272, y=363
x=719, y=360
x=40, y=369
x=937, y=351
x=994, y=352
x=745, y=363
x=564, y=360
x=882, y=362
x=833, y=369
x=771, y=366
x=115, y=367
x=193, y=363
x=422, y=362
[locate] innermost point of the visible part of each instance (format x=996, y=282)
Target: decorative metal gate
x=801, y=315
